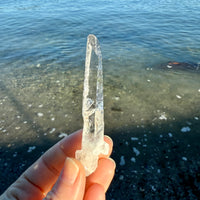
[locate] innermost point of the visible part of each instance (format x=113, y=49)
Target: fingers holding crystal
x=102, y=176
x=109, y=141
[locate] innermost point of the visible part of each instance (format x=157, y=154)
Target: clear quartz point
x=93, y=143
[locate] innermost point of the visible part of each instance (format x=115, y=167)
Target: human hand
x=57, y=175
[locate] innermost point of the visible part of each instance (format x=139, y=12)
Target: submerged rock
x=181, y=66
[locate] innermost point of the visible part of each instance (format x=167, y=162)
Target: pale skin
x=57, y=175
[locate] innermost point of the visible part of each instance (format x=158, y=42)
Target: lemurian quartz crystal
x=93, y=143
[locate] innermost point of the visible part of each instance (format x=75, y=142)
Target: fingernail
x=108, y=137
x=114, y=164
x=70, y=171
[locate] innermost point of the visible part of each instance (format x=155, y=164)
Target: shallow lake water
x=46, y=99
x=42, y=56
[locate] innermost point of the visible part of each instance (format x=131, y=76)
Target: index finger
x=45, y=171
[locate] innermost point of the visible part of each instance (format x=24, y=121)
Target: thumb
x=71, y=182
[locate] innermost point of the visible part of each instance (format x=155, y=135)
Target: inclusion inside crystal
x=93, y=143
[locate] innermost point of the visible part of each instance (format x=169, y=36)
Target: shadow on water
x=14, y=158
x=158, y=160
x=33, y=126
x=20, y=108
x=153, y=162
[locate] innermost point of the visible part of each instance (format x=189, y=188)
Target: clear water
x=42, y=55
